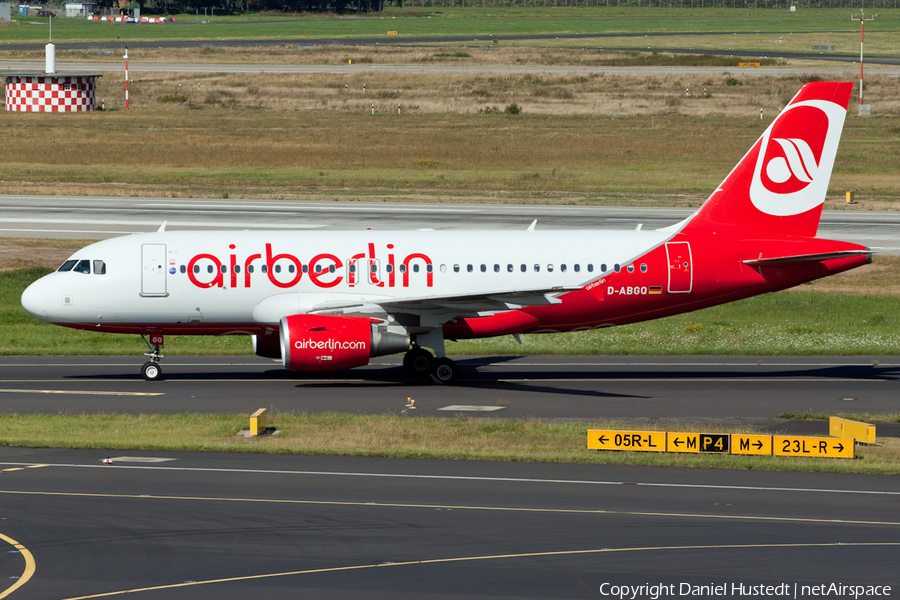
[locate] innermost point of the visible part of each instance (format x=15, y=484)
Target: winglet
x=532, y=226
x=162, y=227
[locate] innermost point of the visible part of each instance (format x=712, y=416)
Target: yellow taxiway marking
x=22, y=468
x=569, y=511
x=29, y=566
x=459, y=559
x=79, y=392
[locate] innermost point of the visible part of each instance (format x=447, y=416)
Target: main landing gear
x=151, y=369
x=420, y=363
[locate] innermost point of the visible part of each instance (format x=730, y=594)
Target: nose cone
x=35, y=299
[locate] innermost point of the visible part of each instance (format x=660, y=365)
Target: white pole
x=126, y=78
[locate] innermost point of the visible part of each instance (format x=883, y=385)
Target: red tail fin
x=779, y=186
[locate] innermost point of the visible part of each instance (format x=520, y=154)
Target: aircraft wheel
x=151, y=371
x=417, y=362
x=444, y=371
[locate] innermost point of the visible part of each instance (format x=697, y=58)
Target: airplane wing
x=462, y=303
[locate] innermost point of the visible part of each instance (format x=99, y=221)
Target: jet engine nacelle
x=318, y=343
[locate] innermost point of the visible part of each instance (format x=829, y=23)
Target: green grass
x=390, y=436
x=254, y=153
x=812, y=323
x=474, y=22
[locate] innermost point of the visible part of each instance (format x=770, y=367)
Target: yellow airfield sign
x=863, y=433
x=638, y=441
x=751, y=444
x=697, y=442
x=682, y=442
x=786, y=445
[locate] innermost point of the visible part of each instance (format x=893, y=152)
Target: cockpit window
x=67, y=266
x=99, y=267
x=83, y=266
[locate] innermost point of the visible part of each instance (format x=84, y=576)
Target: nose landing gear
x=151, y=369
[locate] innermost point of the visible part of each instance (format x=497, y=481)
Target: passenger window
x=209, y=268
x=631, y=268
x=591, y=268
x=402, y=269
x=331, y=268
x=617, y=268
x=524, y=268
x=577, y=267
x=249, y=268
x=549, y=268
x=318, y=269
x=100, y=267
x=496, y=268
x=429, y=268
x=67, y=266
x=562, y=268
x=602, y=268
x=389, y=268
x=470, y=268
x=415, y=268
x=509, y=268
x=237, y=268
x=278, y=268
x=443, y=268
x=456, y=268
x=264, y=268
x=184, y=269
x=304, y=268
x=353, y=267
x=484, y=268
x=374, y=268
x=537, y=268
x=83, y=266
x=224, y=268
x=291, y=268
x=643, y=267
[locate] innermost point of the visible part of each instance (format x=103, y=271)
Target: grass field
x=393, y=436
x=306, y=136
x=475, y=22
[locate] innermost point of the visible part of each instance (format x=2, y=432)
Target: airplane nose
x=34, y=299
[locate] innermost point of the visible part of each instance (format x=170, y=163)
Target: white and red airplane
x=331, y=300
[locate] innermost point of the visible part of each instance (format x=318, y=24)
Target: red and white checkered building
x=50, y=92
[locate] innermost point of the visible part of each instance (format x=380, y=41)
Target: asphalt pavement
x=731, y=390
x=222, y=526
x=92, y=217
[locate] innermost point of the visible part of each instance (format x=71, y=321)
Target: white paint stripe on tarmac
x=462, y=478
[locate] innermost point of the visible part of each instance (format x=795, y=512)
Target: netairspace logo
x=784, y=590
x=329, y=344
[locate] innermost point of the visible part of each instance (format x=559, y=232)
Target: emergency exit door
x=153, y=270
x=681, y=272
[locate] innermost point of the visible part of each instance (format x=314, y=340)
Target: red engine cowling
x=315, y=343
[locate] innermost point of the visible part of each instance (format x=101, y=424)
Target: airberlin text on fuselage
x=323, y=269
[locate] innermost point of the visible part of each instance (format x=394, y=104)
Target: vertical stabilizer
x=778, y=188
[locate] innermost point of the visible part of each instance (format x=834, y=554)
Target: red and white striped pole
x=126, y=78
x=862, y=27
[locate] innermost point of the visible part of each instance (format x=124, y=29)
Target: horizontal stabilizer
x=803, y=258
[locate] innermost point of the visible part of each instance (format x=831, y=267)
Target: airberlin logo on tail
x=798, y=162
x=795, y=158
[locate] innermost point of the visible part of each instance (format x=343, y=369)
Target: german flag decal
x=655, y=289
